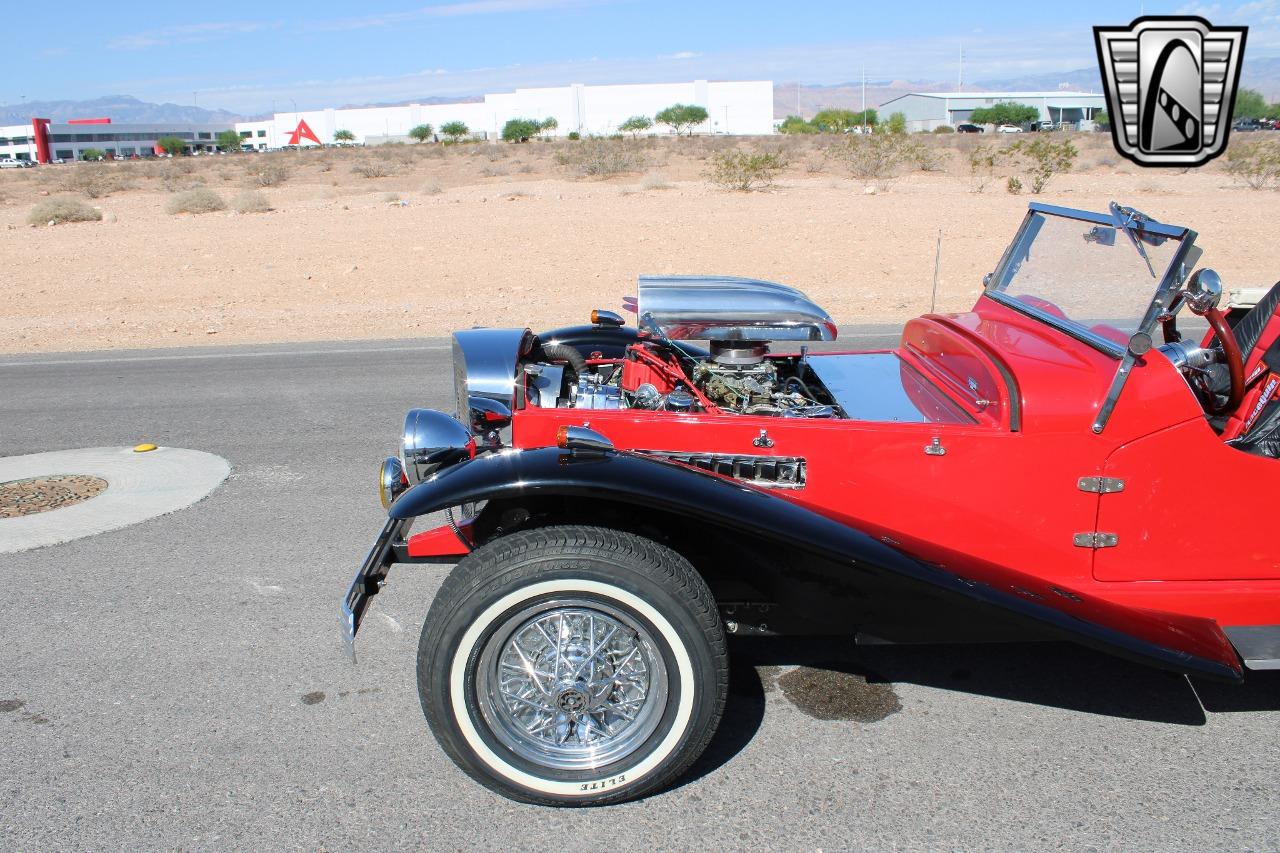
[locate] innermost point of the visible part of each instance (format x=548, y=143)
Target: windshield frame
x=1168, y=284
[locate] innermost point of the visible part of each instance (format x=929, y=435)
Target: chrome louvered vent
x=774, y=472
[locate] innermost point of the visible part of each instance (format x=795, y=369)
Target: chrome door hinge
x=935, y=448
x=1096, y=540
x=1100, y=485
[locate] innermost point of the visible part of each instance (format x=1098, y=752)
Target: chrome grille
x=774, y=472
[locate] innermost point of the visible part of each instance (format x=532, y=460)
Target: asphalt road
x=178, y=684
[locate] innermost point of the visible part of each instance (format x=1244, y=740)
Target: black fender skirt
x=1186, y=644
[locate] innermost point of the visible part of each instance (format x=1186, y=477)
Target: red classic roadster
x=618, y=498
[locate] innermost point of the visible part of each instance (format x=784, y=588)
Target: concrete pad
x=139, y=486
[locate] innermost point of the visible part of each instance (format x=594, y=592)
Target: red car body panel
x=1003, y=503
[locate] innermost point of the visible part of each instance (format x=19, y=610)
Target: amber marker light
x=562, y=437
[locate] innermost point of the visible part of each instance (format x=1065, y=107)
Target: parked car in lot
x=1250, y=124
x=619, y=499
x=970, y=128
x=10, y=163
x=1008, y=128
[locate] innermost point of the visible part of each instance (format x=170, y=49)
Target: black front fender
x=1170, y=641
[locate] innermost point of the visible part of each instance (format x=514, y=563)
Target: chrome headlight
x=392, y=482
x=433, y=440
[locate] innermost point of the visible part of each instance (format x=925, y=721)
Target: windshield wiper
x=1130, y=221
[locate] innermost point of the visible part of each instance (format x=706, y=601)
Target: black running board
x=1258, y=645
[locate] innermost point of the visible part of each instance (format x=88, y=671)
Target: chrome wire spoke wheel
x=571, y=684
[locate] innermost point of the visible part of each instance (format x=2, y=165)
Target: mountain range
x=788, y=98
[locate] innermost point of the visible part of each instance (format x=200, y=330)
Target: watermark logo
x=1171, y=85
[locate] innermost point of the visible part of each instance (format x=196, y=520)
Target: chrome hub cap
x=571, y=685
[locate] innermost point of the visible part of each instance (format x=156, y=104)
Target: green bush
x=520, y=129
x=836, y=121
x=422, y=132
x=171, y=145
x=574, y=136
x=1012, y=185
x=343, y=136
x=455, y=130
x=250, y=201
x=896, y=123
x=229, y=140
x=92, y=154
x=944, y=128
x=636, y=125
x=60, y=210
x=796, y=125
x=680, y=117
x=745, y=170
x=548, y=123
x=195, y=201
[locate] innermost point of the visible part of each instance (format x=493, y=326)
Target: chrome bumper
x=366, y=584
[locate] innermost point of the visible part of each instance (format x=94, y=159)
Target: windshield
x=1079, y=272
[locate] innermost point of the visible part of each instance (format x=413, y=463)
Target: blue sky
x=251, y=56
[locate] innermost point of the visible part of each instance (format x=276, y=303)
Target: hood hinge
x=1095, y=540
x=1100, y=485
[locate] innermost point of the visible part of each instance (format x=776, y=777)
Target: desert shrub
x=230, y=140
x=422, y=132
x=60, y=210
x=655, y=181
x=574, y=136
x=896, y=123
x=982, y=165
x=92, y=155
x=267, y=172
x=195, y=201
x=745, y=170
x=636, y=125
x=1256, y=165
x=1042, y=158
x=1012, y=185
x=944, y=128
x=521, y=129
x=681, y=117
x=343, y=135
x=1005, y=113
x=95, y=180
x=548, y=123
x=390, y=198
x=876, y=156
x=370, y=167
x=494, y=171
x=432, y=188
x=926, y=156
x=602, y=157
x=250, y=201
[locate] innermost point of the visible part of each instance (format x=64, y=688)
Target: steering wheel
x=1234, y=360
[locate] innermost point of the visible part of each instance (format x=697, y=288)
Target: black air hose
x=566, y=353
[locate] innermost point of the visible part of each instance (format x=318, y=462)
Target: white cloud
x=187, y=34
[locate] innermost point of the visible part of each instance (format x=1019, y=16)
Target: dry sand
x=537, y=245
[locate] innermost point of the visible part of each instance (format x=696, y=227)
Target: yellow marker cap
x=143, y=448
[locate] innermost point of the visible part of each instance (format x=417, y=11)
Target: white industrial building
x=67, y=141
x=926, y=110
x=739, y=108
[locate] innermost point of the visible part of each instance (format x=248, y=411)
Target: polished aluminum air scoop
x=728, y=308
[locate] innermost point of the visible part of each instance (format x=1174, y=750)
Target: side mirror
x=1203, y=291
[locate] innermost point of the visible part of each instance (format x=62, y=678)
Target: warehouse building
x=42, y=140
x=927, y=110
x=736, y=107
x=733, y=107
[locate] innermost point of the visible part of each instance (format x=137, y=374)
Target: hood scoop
x=729, y=308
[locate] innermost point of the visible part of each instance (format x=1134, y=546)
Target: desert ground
x=402, y=241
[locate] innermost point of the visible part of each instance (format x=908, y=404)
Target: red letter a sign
x=301, y=132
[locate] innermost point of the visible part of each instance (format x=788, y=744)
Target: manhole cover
x=41, y=494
